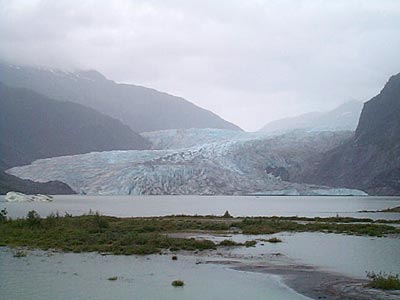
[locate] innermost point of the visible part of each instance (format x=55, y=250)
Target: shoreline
x=211, y=240
x=305, y=280
x=314, y=283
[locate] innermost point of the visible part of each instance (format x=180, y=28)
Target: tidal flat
x=104, y=234
x=298, y=267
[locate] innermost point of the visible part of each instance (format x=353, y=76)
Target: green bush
x=250, y=243
x=177, y=283
x=228, y=243
x=33, y=218
x=227, y=215
x=112, y=278
x=3, y=215
x=100, y=221
x=384, y=281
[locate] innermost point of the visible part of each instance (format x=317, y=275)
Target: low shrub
x=113, y=278
x=177, y=283
x=250, y=243
x=274, y=240
x=33, y=218
x=228, y=243
x=383, y=281
x=3, y=215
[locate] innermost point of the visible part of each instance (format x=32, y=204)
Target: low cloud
x=249, y=61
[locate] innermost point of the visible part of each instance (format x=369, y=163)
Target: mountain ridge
x=33, y=126
x=141, y=108
x=343, y=117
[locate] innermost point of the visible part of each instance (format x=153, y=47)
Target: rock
x=370, y=160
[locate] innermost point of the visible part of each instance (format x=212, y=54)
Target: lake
x=85, y=276
x=140, y=206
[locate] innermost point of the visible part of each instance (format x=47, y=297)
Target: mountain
x=33, y=126
x=141, y=108
x=238, y=166
x=370, y=160
x=12, y=183
x=344, y=117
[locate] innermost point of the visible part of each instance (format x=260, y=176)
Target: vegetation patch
x=384, y=281
x=177, y=283
x=227, y=215
x=250, y=243
x=393, y=209
x=113, y=278
x=274, y=240
x=387, y=210
x=266, y=225
x=229, y=243
x=127, y=236
x=3, y=215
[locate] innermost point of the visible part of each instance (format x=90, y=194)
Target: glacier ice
x=20, y=197
x=194, y=161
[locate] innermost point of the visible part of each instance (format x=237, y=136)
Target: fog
x=248, y=61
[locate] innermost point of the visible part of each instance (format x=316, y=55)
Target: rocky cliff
x=371, y=159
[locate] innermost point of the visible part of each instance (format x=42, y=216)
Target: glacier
x=193, y=161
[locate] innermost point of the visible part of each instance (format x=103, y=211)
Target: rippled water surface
x=85, y=276
x=215, y=205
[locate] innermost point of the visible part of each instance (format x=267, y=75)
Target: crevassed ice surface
x=234, y=167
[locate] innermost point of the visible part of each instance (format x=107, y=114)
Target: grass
x=177, y=283
x=384, y=281
x=95, y=233
x=393, y=209
x=127, y=236
x=386, y=210
x=266, y=225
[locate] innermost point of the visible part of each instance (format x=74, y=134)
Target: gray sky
x=249, y=61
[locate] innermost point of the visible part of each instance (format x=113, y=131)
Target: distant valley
x=184, y=149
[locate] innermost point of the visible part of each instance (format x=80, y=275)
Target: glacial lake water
x=84, y=276
x=344, y=254
x=138, y=206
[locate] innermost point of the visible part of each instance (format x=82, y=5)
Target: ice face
x=194, y=162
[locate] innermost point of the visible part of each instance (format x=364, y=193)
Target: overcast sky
x=249, y=61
